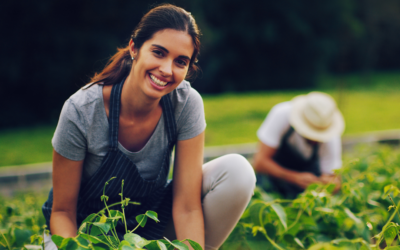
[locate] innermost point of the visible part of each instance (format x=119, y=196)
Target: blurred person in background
x=125, y=123
x=300, y=144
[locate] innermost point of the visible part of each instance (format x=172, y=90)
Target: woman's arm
x=66, y=184
x=187, y=210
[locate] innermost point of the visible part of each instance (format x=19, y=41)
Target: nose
x=166, y=68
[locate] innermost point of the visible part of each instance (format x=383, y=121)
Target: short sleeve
x=192, y=121
x=275, y=125
x=331, y=156
x=69, y=139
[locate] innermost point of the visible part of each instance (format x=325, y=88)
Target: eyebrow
x=163, y=48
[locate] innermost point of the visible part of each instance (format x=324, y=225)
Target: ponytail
x=118, y=67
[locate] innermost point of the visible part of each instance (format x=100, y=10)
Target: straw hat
x=315, y=116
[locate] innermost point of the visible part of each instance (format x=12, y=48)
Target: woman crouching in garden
x=125, y=123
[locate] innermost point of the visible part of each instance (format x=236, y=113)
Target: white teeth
x=158, y=81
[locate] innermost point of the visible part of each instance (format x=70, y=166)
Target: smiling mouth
x=158, y=81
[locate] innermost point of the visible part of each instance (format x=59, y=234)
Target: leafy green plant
x=364, y=216
x=20, y=220
x=98, y=231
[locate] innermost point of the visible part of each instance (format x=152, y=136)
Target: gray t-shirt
x=83, y=130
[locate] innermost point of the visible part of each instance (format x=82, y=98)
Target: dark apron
x=155, y=195
x=288, y=157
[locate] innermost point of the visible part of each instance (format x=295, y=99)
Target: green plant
x=98, y=231
x=364, y=216
x=20, y=220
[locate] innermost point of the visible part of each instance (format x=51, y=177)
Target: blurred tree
x=51, y=48
x=269, y=44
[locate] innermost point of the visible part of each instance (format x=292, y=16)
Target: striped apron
x=289, y=158
x=155, y=195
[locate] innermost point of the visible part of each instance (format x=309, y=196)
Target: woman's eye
x=158, y=52
x=181, y=62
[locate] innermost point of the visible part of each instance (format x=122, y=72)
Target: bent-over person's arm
x=264, y=163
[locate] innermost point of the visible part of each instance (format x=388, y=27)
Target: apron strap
x=115, y=106
x=169, y=119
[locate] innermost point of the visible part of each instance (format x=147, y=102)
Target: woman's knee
x=239, y=172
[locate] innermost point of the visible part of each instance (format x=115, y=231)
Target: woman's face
x=162, y=62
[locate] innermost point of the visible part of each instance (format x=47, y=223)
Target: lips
x=158, y=81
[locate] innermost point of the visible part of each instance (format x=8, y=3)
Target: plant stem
x=6, y=241
x=398, y=213
x=123, y=205
x=109, y=241
x=137, y=225
x=295, y=221
x=109, y=214
x=273, y=242
x=387, y=223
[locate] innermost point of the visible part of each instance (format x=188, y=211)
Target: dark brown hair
x=166, y=16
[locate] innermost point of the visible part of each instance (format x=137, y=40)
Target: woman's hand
x=187, y=209
x=66, y=184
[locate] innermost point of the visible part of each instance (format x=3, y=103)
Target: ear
x=132, y=49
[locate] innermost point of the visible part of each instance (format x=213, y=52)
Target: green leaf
x=141, y=219
x=92, y=238
x=9, y=211
x=32, y=247
x=90, y=218
x=289, y=238
x=167, y=243
x=281, y=214
x=21, y=236
x=82, y=228
x=195, y=245
x=297, y=240
x=255, y=210
x=105, y=226
x=152, y=215
x=330, y=189
x=81, y=241
x=57, y=239
x=136, y=240
x=270, y=229
x=389, y=234
x=161, y=245
x=156, y=245
x=152, y=245
x=257, y=229
x=115, y=216
x=179, y=245
x=393, y=248
x=64, y=244
x=103, y=219
x=94, y=231
x=128, y=248
x=123, y=243
x=352, y=216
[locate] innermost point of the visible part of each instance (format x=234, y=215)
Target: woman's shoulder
x=87, y=96
x=184, y=93
x=85, y=105
x=189, y=111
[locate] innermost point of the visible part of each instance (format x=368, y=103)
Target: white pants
x=228, y=184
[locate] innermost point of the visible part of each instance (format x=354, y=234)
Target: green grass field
x=368, y=104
